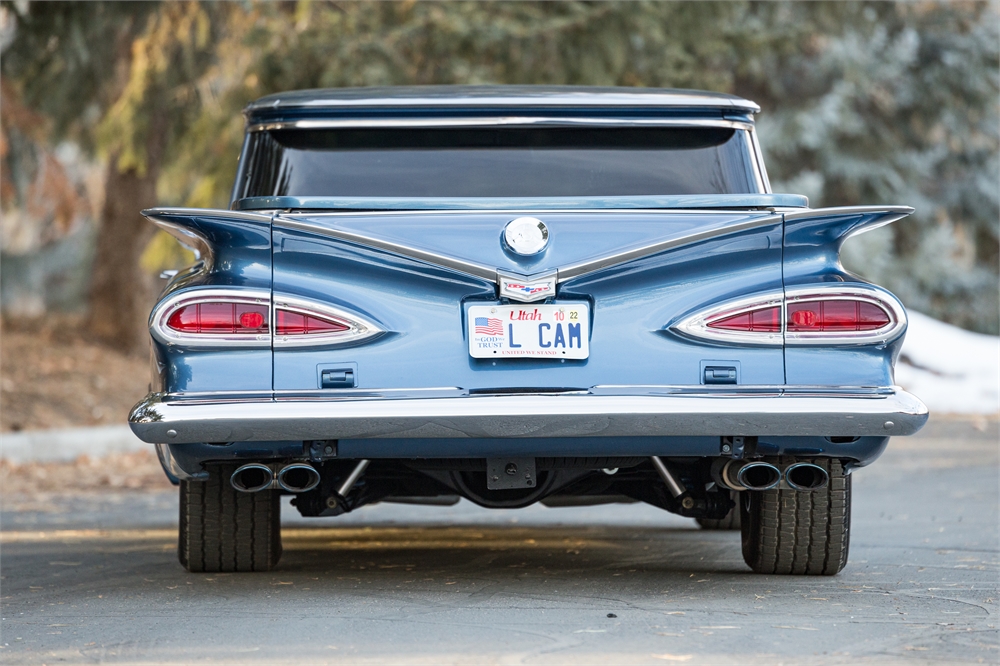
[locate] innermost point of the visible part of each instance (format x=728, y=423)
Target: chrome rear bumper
x=600, y=412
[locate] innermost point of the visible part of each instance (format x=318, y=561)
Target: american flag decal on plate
x=488, y=326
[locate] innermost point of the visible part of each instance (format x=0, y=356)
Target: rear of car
x=519, y=295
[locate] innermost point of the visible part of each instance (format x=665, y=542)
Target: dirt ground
x=52, y=377
x=138, y=471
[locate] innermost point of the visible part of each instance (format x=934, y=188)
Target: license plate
x=560, y=330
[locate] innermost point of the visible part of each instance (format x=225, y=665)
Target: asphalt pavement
x=94, y=579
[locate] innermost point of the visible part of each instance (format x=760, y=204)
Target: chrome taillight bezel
x=841, y=292
x=697, y=325
x=359, y=328
x=160, y=331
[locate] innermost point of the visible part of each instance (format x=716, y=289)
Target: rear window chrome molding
x=697, y=325
x=359, y=328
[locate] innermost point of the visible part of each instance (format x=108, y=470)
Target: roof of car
x=343, y=99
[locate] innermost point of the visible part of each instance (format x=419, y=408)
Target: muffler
x=748, y=475
x=252, y=478
x=806, y=476
x=298, y=478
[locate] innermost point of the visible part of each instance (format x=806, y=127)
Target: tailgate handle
x=716, y=374
x=338, y=378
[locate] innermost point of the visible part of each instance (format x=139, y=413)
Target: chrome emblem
x=527, y=288
x=526, y=236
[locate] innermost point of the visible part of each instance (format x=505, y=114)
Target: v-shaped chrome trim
x=492, y=273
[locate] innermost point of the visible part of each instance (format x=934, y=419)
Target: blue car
x=513, y=295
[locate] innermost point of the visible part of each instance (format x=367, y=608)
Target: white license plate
x=561, y=330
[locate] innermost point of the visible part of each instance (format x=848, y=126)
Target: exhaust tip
x=252, y=478
x=759, y=476
x=298, y=478
x=806, y=476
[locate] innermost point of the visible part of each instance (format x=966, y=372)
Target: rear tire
x=730, y=522
x=222, y=529
x=796, y=532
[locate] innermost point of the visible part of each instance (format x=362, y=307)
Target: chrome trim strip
x=759, y=156
x=359, y=328
x=902, y=211
x=690, y=203
x=495, y=121
x=189, y=238
x=161, y=313
x=460, y=265
x=534, y=211
x=696, y=325
x=491, y=274
x=890, y=214
x=528, y=416
x=824, y=291
x=591, y=265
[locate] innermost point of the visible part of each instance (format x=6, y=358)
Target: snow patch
x=952, y=370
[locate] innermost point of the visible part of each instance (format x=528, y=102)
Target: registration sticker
x=559, y=330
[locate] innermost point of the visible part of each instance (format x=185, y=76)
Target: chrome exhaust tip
x=298, y=478
x=806, y=476
x=758, y=476
x=746, y=475
x=252, y=478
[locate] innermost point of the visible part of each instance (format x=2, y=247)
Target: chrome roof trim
x=503, y=96
x=460, y=265
x=494, y=121
x=591, y=265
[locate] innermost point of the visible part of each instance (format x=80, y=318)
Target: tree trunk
x=119, y=291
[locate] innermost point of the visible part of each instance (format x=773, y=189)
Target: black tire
x=222, y=529
x=793, y=532
x=730, y=522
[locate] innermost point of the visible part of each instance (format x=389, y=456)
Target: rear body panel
x=420, y=305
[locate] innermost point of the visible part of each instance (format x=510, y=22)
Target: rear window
x=497, y=162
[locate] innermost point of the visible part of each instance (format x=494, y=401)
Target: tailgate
x=410, y=280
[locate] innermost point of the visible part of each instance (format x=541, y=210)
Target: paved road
x=87, y=581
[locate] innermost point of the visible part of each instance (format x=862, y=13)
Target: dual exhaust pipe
x=295, y=478
x=754, y=475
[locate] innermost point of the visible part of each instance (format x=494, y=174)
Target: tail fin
x=813, y=238
x=231, y=245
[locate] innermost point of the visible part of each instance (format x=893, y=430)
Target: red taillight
x=219, y=318
x=297, y=323
x=835, y=316
x=765, y=320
